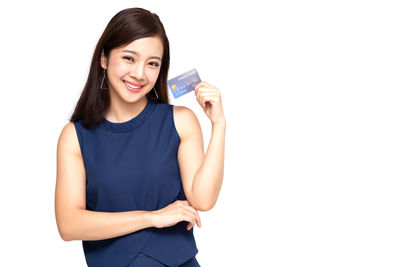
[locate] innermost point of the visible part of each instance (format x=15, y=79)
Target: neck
x=120, y=111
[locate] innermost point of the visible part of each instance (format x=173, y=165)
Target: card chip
x=184, y=83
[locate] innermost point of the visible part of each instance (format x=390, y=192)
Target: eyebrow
x=136, y=53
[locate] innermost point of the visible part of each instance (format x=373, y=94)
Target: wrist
x=220, y=123
x=151, y=218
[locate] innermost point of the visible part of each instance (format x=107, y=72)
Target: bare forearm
x=94, y=225
x=208, y=179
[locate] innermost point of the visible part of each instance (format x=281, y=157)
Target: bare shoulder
x=68, y=140
x=186, y=121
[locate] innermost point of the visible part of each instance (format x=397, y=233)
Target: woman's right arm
x=74, y=222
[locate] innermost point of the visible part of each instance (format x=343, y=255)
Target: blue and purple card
x=184, y=83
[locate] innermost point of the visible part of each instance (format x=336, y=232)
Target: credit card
x=184, y=83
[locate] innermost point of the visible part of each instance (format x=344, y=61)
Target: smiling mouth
x=131, y=86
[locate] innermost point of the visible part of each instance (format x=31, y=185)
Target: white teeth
x=132, y=86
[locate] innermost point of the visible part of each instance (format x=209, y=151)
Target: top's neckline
x=131, y=124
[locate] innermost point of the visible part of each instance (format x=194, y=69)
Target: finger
x=193, y=213
x=203, y=89
x=187, y=203
x=206, y=95
x=202, y=86
x=191, y=219
x=198, y=219
x=206, y=89
x=206, y=84
x=185, y=216
x=190, y=210
x=196, y=88
x=205, y=99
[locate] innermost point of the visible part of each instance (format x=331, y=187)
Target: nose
x=137, y=71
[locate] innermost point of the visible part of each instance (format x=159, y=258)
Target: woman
x=131, y=169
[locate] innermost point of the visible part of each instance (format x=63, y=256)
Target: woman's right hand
x=178, y=211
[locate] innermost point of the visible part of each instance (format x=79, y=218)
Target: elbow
x=67, y=227
x=204, y=206
x=63, y=232
x=64, y=236
x=201, y=202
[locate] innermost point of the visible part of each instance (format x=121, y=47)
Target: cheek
x=118, y=69
x=153, y=75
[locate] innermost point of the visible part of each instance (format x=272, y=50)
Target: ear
x=103, y=60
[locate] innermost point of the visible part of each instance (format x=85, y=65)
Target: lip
x=133, y=90
x=135, y=84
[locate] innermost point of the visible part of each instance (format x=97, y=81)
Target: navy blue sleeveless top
x=133, y=166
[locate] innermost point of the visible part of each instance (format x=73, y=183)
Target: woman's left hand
x=209, y=98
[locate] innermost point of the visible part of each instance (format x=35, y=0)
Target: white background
x=310, y=91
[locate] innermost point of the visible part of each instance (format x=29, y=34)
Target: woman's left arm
x=202, y=174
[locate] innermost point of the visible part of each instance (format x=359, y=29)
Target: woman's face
x=137, y=63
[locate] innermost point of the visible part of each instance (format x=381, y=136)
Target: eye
x=128, y=58
x=155, y=64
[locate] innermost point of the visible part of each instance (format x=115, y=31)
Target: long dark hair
x=125, y=27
